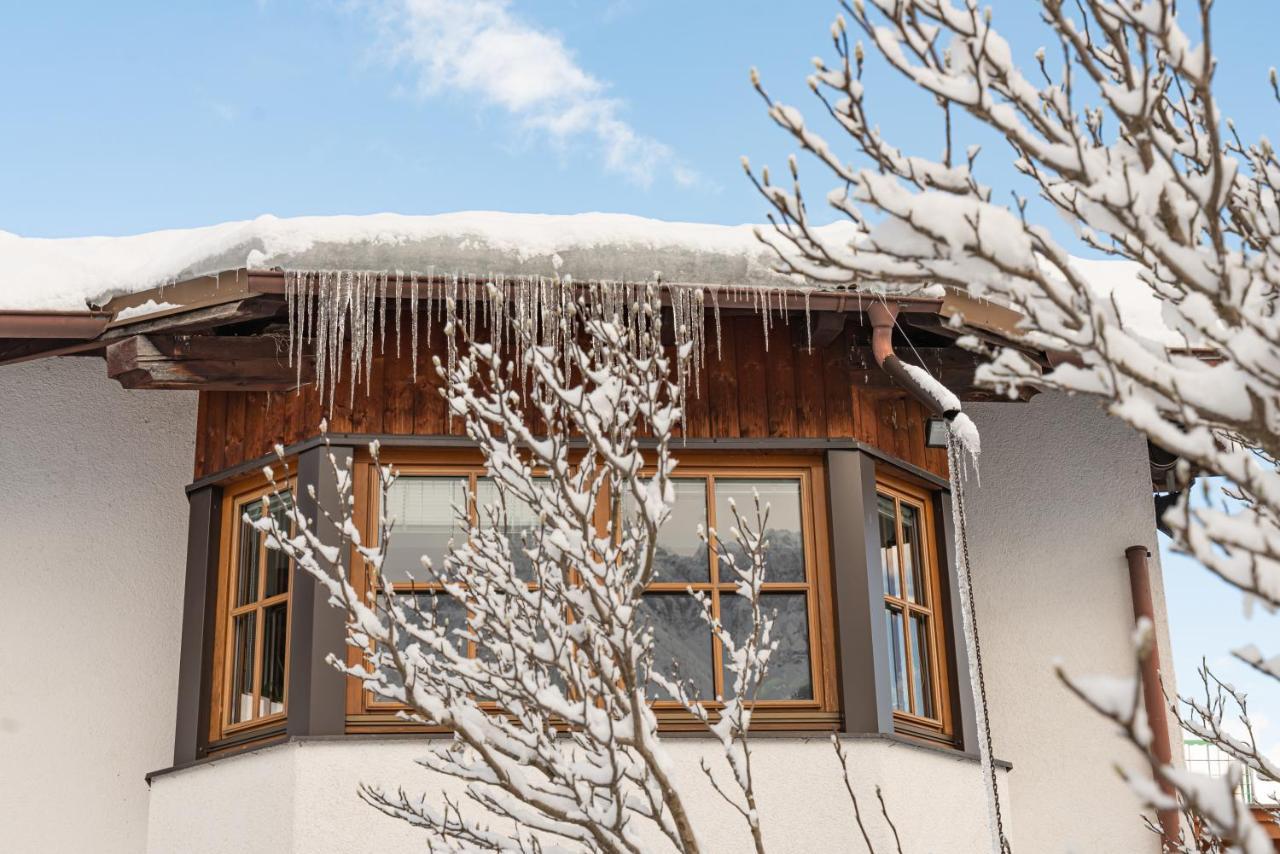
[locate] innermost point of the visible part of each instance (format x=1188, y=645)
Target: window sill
x=282, y=739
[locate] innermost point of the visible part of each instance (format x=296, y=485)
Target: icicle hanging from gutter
x=343, y=314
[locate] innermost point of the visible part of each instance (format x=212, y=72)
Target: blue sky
x=133, y=116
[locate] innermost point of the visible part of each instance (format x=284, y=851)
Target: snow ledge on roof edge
x=67, y=274
x=70, y=274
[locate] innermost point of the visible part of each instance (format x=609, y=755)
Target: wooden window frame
x=822, y=711
x=236, y=496
x=941, y=728
x=366, y=714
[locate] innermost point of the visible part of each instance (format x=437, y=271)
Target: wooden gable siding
x=784, y=391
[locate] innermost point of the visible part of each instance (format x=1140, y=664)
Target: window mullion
x=713, y=557
x=906, y=611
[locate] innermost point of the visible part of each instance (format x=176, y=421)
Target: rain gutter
x=64, y=325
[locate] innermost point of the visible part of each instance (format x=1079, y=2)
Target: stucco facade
x=94, y=519
x=93, y=524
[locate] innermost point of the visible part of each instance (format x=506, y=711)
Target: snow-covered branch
x=1116, y=129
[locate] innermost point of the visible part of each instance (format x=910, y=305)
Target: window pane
x=897, y=660
x=449, y=612
x=277, y=580
x=518, y=517
x=921, y=675
x=681, y=642
x=271, y=689
x=242, y=668
x=784, y=558
x=247, y=556
x=681, y=554
x=889, y=547
x=912, y=563
x=788, y=677
x=424, y=524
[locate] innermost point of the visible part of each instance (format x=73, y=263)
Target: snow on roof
x=70, y=273
x=1141, y=311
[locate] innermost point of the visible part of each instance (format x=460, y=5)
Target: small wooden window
x=253, y=630
x=683, y=641
x=912, y=587
x=424, y=502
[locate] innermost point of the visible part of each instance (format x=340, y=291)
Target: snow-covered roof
x=71, y=274
x=67, y=274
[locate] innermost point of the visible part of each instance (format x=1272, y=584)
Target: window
x=795, y=689
x=800, y=690
x=424, y=503
x=912, y=588
x=254, y=604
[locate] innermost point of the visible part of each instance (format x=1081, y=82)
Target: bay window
x=250, y=667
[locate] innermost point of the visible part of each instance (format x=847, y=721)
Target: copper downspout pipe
x=882, y=317
x=1152, y=691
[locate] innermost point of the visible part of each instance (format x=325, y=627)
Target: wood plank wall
x=749, y=392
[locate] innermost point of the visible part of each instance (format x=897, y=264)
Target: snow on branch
x=1116, y=128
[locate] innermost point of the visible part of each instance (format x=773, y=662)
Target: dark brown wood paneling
x=234, y=445
x=837, y=385
x=341, y=416
x=697, y=416
x=255, y=415
x=753, y=393
x=747, y=391
x=780, y=383
x=397, y=394
x=366, y=413
x=203, y=431
x=722, y=384
x=811, y=416
x=428, y=405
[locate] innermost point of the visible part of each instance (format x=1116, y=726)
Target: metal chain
x=962, y=535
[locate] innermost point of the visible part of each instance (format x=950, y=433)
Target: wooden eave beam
x=206, y=363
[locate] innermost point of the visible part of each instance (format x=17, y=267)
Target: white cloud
x=480, y=48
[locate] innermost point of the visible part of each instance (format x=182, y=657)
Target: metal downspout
x=1152, y=690
x=882, y=319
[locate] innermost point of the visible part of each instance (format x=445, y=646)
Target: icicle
x=382, y=313
x=291, y=306
x=808, y=323
x=398, y=310
x=765, y=320
x=715, y=308
x=413, y=324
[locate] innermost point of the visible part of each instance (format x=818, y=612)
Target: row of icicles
x=345, y=314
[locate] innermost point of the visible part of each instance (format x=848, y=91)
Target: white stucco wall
x=93, y=529
x=1064, y=490
x=308, y=801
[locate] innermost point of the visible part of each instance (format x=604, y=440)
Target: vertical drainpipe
x=1152, y=691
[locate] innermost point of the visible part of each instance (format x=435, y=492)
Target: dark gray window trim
x=353, y=440
x=859, y=594
x=317, y=690
x=199, y=613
